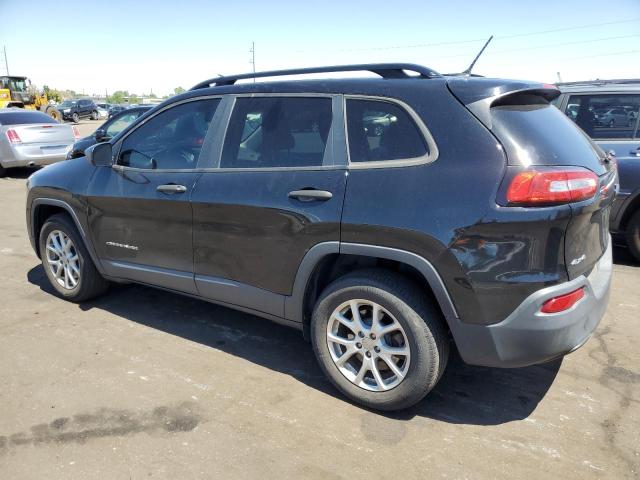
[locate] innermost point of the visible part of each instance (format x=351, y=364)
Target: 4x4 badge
x=575, y=261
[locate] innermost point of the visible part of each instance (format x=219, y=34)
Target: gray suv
x=609, y=112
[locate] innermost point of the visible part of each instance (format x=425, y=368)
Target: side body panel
x=490, y=257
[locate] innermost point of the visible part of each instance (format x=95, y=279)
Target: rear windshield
x=535, y=132
x=23, y=117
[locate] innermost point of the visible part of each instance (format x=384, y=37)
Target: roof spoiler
x=479, y=95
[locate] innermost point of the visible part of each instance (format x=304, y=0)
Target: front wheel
x=66, y=261
x=75, y=117
x=379, y=340
x=633, y=235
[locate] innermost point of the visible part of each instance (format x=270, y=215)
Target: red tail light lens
x=12, y=136
x=563, y=302
x=539, y=187
x=76, y=132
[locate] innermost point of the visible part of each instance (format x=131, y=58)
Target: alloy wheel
x=368, y=345
x=63, y=260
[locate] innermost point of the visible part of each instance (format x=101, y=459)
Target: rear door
x=276, y=189
x=139, y=211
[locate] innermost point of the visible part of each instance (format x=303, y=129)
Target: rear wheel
x=633, y=235
x=379, y=340
x=66, y=261
x=94, y=115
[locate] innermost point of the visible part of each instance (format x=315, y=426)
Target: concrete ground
x=145, y=384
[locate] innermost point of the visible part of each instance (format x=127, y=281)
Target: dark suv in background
x=388, y=219
x=609, y=112
x=74, y=110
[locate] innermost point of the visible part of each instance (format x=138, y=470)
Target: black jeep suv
x=474, y=215
x=74, y=110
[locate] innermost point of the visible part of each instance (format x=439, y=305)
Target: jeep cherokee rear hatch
x=550, y=161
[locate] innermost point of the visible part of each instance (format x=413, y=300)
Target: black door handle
x=310, y=195
x=171, y=188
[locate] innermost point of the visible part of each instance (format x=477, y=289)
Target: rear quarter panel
x=489, y=257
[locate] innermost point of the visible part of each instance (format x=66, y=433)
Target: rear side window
x=172, y=139
x=381, y=131
x=273, y=132
x=605, y=116
x=534, y=132
x=21, y=117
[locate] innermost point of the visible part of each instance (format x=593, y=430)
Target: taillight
x=76, y=132
x=13, y=137
x=552, y=186
x=563, y=302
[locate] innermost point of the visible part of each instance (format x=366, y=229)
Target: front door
x=278, y=191
x=139, y=212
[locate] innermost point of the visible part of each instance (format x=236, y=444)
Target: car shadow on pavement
x=464, y=395
x=20, y=172
x=622, y=256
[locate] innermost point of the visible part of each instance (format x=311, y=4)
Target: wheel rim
x=63, y=260
x=368, y=345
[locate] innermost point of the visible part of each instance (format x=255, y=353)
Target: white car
x=102, y=113
x=29, y=138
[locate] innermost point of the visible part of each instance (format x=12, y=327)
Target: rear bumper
x=529, y=337
x=36, y=154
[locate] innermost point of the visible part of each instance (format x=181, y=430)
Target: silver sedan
x=29, y=138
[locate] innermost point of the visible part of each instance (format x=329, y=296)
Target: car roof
x=601, y=86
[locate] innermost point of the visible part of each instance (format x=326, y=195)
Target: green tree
x=119, y=96
x=133, y=98
x=178, y=90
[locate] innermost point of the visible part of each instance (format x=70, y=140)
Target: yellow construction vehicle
x=18, y=92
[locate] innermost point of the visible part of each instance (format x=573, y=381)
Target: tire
x=633, y=235
x=89, y=282
x=403, y=303
x=94, y=115
x=75, y=117
x=55, y=114
x=611, y=123
x=3, y=171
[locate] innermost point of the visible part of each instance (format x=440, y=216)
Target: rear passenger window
x=170, y=140
x=381, y=131
x=277, y=132
x=605, y=116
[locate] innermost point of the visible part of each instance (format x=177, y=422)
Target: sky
x=155, y=46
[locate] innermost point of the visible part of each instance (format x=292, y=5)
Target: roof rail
x=618, y=81
x=385, y=70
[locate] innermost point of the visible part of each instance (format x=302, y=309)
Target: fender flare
x=294, y=305
x=65, y=206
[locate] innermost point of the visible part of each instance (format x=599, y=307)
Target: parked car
x=107, y=130
x=115, y=109
x=31, y=138
x=478, y=219
x=615, y=129
x=75, y=110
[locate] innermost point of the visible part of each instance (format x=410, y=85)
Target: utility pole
x=6, y=63
x=559, y=77
x=252, y=61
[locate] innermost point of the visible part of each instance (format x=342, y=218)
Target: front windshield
x=18, y=84
x=68, y=103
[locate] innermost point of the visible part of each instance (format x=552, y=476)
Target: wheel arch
x=630, y=207
x=327, y=261
x=44, y=208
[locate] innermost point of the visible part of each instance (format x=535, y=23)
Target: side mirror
x=101, y=135
x=100, y=154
